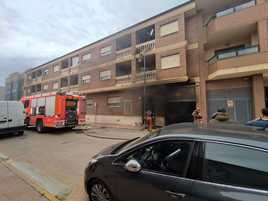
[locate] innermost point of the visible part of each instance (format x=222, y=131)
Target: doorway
x=179, y=112
x=180, y=104
x=237, y=102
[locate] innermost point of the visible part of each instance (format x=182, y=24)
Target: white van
x=11, y=117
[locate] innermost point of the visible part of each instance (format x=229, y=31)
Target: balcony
x=240, y=18
x=123, y=80
x=123, y=54
x=238, y=63
x=148, y=76
x=235, y=9
x=233, y=53
x=36, y=80
x=148, y=46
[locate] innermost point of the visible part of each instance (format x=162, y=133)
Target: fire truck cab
x=56, y=110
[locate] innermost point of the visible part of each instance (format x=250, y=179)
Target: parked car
x=183, y=162
x=11, y=117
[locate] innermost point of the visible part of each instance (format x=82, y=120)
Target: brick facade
x=211, y=50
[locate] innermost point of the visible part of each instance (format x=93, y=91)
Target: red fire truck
x=54, y=110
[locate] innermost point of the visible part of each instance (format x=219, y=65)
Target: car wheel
x=20, y=133
x=99, y=192
x=39, y=126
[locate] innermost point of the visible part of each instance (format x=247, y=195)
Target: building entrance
x=180, y=104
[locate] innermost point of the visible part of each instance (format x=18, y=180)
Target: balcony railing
x=123, y=53
x=123, y=80
x=145, y=46
x=149, y=75
x=233, y=53
x=231, y=10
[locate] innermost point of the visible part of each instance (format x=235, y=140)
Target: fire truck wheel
x=40, y=126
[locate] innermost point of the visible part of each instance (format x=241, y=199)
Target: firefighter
x=149, y=120
x=197, y=115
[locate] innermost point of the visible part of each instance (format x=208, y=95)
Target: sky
x=33, y=32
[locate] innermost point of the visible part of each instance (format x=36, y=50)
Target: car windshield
x=136, y=141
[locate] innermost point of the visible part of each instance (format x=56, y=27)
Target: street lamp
x=143, y=55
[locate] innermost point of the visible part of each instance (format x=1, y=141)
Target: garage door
x=238, y=103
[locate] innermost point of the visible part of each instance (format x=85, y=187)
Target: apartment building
x=205, y=52
x=2, y=93
x=14, y=86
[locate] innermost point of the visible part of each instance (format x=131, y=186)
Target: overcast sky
x=34, y=31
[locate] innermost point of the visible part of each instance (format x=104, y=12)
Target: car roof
x=227, y=133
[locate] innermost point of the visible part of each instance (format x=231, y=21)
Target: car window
x=166, y=157
x=233, y=165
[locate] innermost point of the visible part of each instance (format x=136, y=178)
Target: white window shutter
x=170, y=61
x=169, y=28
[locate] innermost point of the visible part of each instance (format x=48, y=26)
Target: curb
x=3, y=157
x=8, y=163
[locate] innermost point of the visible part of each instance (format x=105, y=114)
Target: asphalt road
x=57, y=159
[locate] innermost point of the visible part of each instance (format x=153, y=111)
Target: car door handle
x=176, y=195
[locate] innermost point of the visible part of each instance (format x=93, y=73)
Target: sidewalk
x=13, y=188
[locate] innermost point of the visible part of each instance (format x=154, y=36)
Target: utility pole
x=141, y=56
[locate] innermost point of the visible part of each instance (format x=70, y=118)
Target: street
x=56, y=160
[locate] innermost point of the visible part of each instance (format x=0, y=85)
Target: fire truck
x=54, y=110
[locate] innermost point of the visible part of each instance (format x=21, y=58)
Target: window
x=64, y=82
x=33, y=89
x=75, y=61
x=146, y=34
x=171, y=61
x=169, y=28
x=90, y=103
x=38, y=87
x=150, y=63
x=55, y=85
x=114, y=102
x=41, y=110
x=86, y=57
x=237, y=166
x=33, y=111
x=123, y=42
x=127, y=107
x=26, y=104
x=65, y=63
x=123, y=69
x=34, y=75
x=45, y=72
x=45, y=87
x=56, y=68
x=39, y=73
x=106, y=51
x=85, y=79
x=168, y=157
x=74, y=80
x=105, y=75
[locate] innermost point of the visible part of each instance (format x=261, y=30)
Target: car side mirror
x=133, y=166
